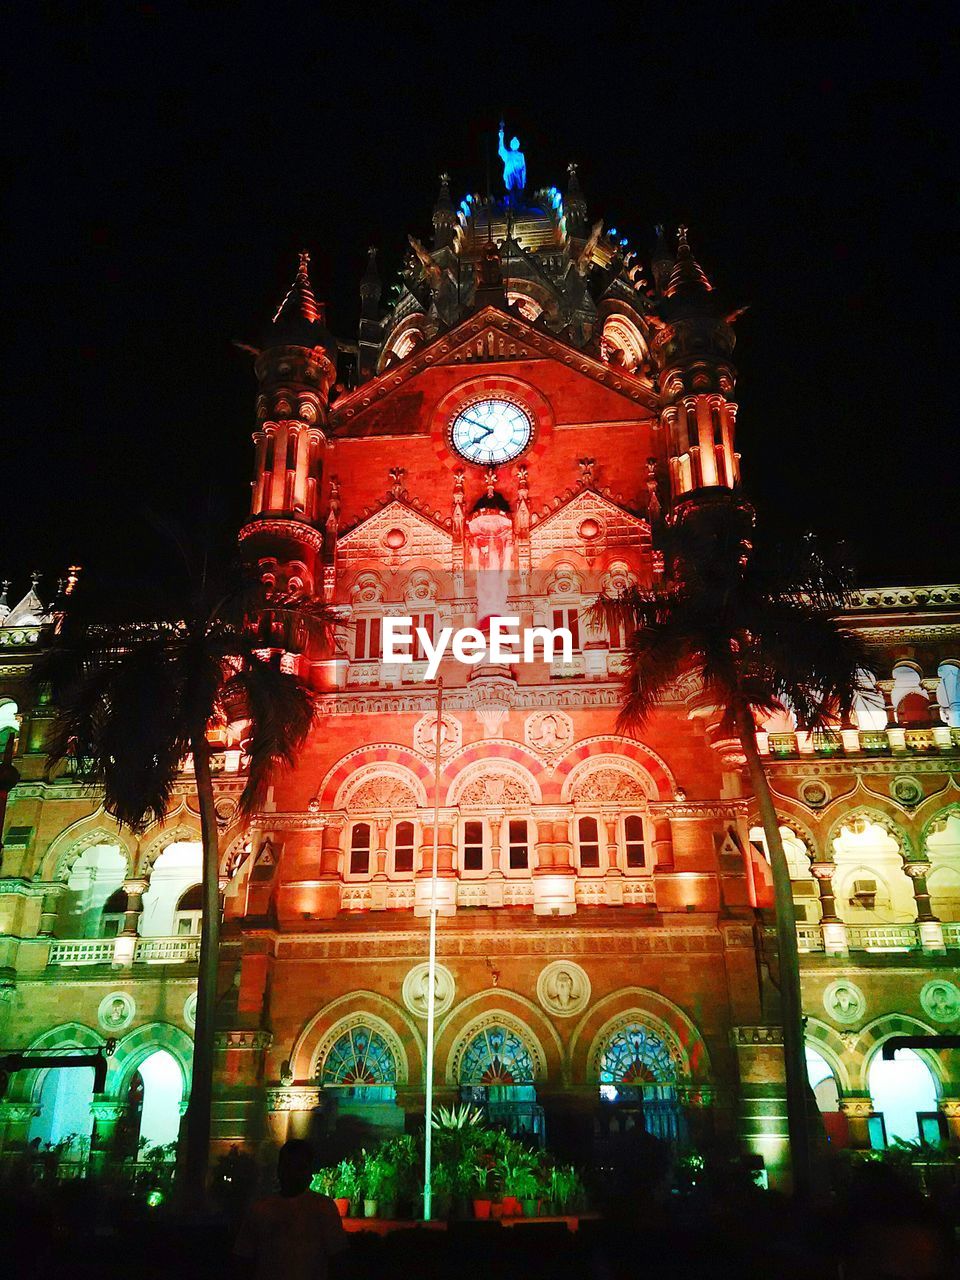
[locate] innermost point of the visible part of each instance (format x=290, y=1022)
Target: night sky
x=164, y=164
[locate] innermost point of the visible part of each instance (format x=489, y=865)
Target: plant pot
x=369, y=1208
x=531, y=1208
x=481, y=1209
x=343, y=1205
x=496, y=1210
x=512, y=1207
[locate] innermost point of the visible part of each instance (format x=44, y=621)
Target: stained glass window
x=360, y=1056
x=496, y=1056
x=635, y=1056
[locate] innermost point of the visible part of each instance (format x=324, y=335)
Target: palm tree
x=136, y=691
x=760, y=631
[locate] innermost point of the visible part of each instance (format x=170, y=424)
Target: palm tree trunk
x=201, y=1089
x=790, y=999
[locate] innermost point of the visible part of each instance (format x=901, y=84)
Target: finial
x=490, y=480
x=73, y=577
x=682, y=237
x=304, y=260
x=35, y=578
x=444, y=179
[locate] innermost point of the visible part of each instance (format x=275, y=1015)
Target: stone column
x=918, y=871
x=858, y=1107
x=15, y=1120
x=950, y=1108
x=330, y=849
x=544, y=845
x=662, y=844
x=48, y=911
x=822, y=872
x=381, y=826
x=134, y=889
x=562, y=846
x=107, y=1113
x=609, y=821
x=496, y=852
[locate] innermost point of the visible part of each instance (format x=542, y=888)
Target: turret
x=295, y=369
x=444, y=216
x=694, y=346
x=575, y=204
x=370, y=328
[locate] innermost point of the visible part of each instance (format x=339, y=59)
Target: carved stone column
x=107, y=1114
x=858, y=1107
x=330, y=852
x=822, y=872
x=950, y=1107
x=609, y=821
x=662, y=844
x=382, y=826
x=15, y=1120
x=496, y=852
x=134, y=889
x=544, y=846
x=918, y=871
x=48, y=911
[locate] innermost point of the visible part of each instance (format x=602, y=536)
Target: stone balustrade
x=892, y=741
x=122, y=951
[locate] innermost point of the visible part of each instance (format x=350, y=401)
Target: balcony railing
x=837, y=938
x=892, y=741
x=123, y=949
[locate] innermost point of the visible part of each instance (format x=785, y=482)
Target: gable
x=367, y=540
x=559, y=531
x=397, y=401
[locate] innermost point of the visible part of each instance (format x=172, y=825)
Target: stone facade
x=604, y=934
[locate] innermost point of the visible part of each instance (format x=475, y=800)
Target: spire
x=687, y=275
x=370, y=286
x=300, y=300
x=444, y=215
x=575, y=203
x=300, y=319
x=661, y=261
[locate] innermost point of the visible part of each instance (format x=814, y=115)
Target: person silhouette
x=514, y=164
x=295, y=1233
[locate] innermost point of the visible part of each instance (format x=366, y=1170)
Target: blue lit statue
x=514, y=165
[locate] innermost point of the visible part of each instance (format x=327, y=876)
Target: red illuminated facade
x=604, y=920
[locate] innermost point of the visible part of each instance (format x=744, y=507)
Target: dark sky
x=165, y=163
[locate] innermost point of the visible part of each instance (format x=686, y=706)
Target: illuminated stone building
x=508, y=435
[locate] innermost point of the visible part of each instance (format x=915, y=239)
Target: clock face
x=489, y=432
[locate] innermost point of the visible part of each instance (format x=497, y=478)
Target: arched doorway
x=153, y=1105
x=903, y=1091
x=497, y=1075
x=65, y=1120
x=826, y=1090
x=358, y=1076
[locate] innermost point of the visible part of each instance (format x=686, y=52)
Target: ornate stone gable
x=394, y=535
x=589, y=523
x=611, y=785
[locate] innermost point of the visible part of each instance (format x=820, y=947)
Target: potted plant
x=345, y=1187
x=566, y=1189
x=441, y=1183
x=476, y=1182
x=377, y=1180
x=525, y=1186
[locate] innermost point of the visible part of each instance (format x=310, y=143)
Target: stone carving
x=382, y=793
x=907, y=790
x=116, y=1011
x=563, y=988
x=550, y=733
x=190, y=1010
x=368, y=589
x=814, y=794
x=941, y=1000
x=421, y=588
x=416, y=989
x=612, y=785
x=366, y=541
x=458, y=500
x=499, y=790
x=564, y=581
x=425, y=736
x=558, y=530
x=844, y=1001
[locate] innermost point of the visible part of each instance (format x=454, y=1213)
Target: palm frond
x=280, y=709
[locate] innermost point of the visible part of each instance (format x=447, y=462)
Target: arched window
x=189, y=911
x=588, y=843
x=9, y=722
x=869, y=881
x=496, y=1056
x=633, y=839
x=904, y=1092
x=948, y=693
x=65, y=1118
x=177, y=869
x=403, y=846
x=908, y=696
x=638, y=1074
x=360, y=849
x=361, y=1062
x=634, y=1056
x=91, y=882
x=157, y=1099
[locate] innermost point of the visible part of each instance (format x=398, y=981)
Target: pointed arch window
x=633, y=1056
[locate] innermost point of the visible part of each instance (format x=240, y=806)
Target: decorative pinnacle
x=300, y=293
x=682, y=237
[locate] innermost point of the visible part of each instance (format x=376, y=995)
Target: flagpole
x=432, y=970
